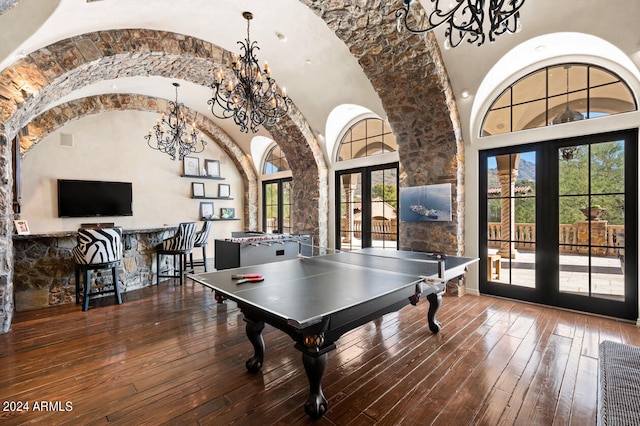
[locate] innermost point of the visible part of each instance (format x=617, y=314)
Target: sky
x=529, y=156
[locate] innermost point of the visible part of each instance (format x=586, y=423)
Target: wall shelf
x=221, y=219
x=212, y=198
x=202, y=177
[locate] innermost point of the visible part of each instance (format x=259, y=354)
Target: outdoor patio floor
x=607, y=278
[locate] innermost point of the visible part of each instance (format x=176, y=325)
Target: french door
x=559, y=223
x=367, y=203
x=276, y=205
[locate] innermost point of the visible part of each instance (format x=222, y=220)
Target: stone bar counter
x=44, y=271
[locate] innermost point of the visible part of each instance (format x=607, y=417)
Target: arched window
x=558, y=94
x=275, y=161
x=367, y=196
x=367, y=137
x=276, y=193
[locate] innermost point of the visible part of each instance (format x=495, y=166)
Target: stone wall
x=408, y=73
x=44, y=273
x=6, y=228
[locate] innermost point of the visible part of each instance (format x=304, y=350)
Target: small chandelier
x=568, y=152
x=176, y=140
x=466, y=18
x=568, y=115
x=246, y=93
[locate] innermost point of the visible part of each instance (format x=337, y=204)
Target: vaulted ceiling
x=326, y=53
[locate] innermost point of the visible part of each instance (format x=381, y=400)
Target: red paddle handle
x=250, y=280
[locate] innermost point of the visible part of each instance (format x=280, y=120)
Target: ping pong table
x=316, y=300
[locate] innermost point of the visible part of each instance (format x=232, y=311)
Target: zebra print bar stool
x=179, y=247
x=97, y=248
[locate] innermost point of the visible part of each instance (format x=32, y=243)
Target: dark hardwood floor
x=172, y=355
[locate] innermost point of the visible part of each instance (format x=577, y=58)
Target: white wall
x=111, y=146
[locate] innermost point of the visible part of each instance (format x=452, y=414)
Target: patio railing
x=567, y=237
x=524, y=235
x=380, y=229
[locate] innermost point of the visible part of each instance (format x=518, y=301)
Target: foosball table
x=248, y=248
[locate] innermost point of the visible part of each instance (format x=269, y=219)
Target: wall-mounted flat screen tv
x=90, y=198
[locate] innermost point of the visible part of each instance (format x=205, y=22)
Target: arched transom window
x=367, y=137
x=558, y=94
x=275, y=161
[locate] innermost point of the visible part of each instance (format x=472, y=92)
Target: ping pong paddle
x=438, y=255
x=247, y=278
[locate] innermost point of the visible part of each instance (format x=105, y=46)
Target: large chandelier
x=247, y=93
x=176, y=140
x=466, y=19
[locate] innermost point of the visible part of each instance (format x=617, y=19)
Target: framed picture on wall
x=197, y=189
x=191, y=166
x=206, y=210
x=212, y=168
x=224, y=190
x=429, y=203
x=22, y=227
x=227, y=213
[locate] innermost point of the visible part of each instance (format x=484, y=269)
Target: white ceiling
x=316, y=68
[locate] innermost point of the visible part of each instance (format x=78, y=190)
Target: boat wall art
x=429, y=203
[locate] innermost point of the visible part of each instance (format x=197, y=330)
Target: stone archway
x=28, y=86
x=50, y=73
x=408, y=73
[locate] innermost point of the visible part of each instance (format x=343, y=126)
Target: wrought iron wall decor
x=466, y=19
x=247, y=93
x=177, y=140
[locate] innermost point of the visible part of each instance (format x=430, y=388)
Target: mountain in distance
x=526, y=171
